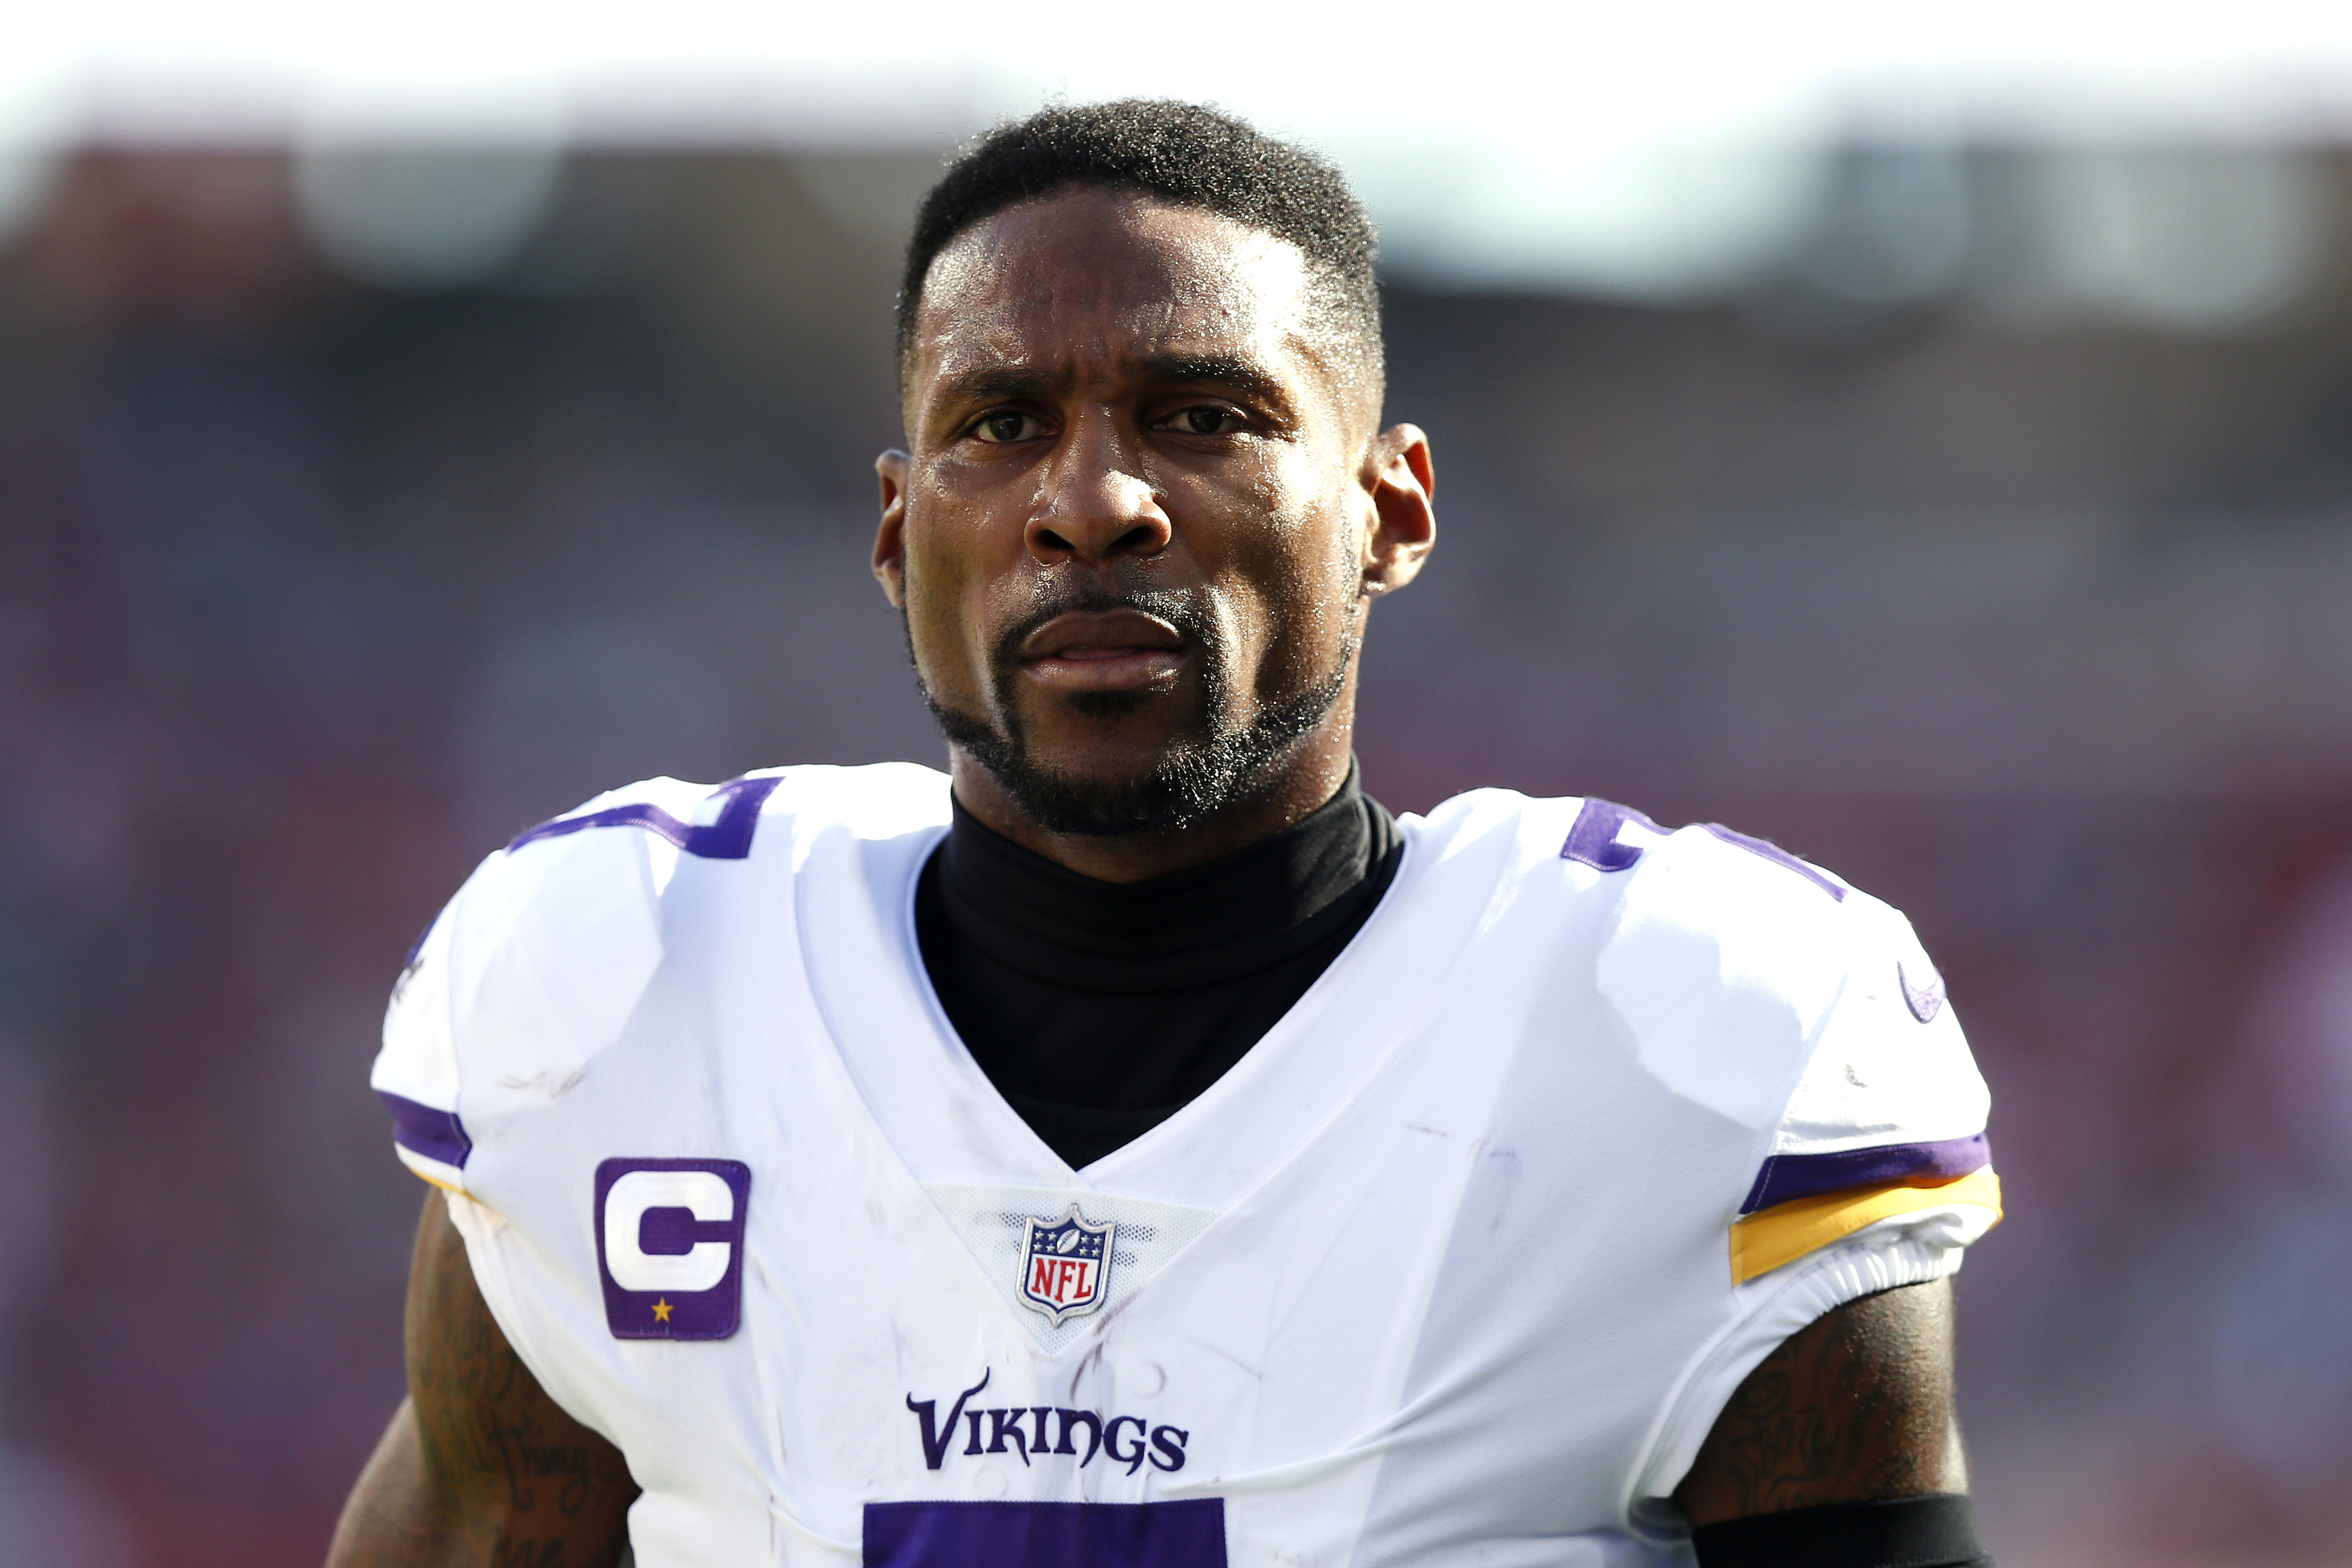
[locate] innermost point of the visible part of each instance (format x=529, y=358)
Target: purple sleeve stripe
x=1788, y=1176
x=421, y=1130
x=729, y=838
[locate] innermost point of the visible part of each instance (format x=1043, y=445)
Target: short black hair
x=1183, y=154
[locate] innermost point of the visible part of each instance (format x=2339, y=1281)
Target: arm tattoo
x=1855, y=1408
x=480, y=1468
x=495, y=1445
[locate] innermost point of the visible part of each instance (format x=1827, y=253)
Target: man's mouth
x=1102, y=650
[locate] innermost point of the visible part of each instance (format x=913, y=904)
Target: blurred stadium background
x=1932, y=450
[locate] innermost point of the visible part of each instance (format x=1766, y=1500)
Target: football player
x=1135, y=1148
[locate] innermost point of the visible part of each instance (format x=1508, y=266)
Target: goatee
x=1225, y=765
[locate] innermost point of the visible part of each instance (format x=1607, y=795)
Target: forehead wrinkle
x=1185, y=360
x=1051, y=321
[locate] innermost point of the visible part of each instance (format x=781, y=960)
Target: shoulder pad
x=1725, y=957
x=533, y=968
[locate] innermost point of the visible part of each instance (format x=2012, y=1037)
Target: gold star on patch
x=662, y=1310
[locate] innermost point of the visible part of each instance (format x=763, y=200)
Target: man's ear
x=1401, y=479
x=890, y=538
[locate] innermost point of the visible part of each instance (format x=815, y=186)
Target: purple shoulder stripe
x=1788, y=1176
x=421, y=1130
x=728, y=839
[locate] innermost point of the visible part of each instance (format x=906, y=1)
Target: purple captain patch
x=1788, y=1176
x=670, y=1247
x=727, y=839
x=1186, y=1535
x=421, y=1130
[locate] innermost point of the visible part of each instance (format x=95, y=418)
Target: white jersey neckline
x=928, y=1101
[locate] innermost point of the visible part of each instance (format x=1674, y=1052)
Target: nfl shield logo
x=1066, y=1266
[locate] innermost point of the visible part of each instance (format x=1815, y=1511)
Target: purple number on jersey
x=727, y=836
x=1592, y=840
x=1186, y=1535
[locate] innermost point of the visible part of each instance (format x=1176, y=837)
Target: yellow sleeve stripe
x=1785, y=1232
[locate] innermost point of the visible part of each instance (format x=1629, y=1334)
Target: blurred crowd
x=336, y=548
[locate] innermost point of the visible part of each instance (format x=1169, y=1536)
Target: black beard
x=1194, y=780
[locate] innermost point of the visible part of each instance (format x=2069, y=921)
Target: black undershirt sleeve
x=1938, y=1531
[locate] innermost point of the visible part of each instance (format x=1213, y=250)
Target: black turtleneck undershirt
x=1099, y=1009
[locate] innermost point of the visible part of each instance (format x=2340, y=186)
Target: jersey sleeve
x=532, y=969
x=415, y=1072
x=1886, y=1123
x=1804, y=1010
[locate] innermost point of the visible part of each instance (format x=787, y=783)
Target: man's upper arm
x=1857, y=1408
x=480, y=1467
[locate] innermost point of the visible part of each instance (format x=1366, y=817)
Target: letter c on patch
x=703, y=1194
x=670, y=1247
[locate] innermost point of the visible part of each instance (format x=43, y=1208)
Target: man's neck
x=1311, y=775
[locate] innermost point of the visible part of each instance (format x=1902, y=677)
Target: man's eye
x=1207, y=420
x=998, y=428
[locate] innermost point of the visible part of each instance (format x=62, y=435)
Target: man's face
x=1133, y=535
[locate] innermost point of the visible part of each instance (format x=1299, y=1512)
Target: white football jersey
x=1458, y=1265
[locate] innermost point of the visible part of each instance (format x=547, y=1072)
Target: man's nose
x=1096, y=503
